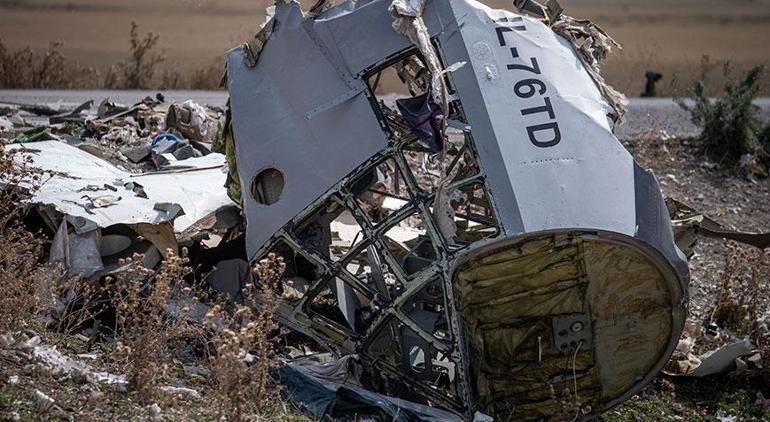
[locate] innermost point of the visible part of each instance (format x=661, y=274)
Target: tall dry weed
x=75, y=302
x=242, y=336
x=143, y=68
x=138, y=71
x=742, y=304
x=244, y=343
x=731, y=123
x=26, y=68
x=20, y=249
x=146, y=332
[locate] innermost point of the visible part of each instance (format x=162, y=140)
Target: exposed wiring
x=574, y=379
x=539, y=349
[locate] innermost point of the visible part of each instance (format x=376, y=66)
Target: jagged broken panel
x=487, y=254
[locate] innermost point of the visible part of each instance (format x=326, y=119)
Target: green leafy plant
x=730, y=124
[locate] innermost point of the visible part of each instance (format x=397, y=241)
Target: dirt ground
x=666, y=36
x=733, y=200
x=737, y=202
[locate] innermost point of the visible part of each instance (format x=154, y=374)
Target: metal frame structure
x=531, y=158
x=390, y=307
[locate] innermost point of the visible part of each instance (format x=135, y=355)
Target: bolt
x=576, y=327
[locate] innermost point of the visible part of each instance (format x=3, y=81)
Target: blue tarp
x=331, y=390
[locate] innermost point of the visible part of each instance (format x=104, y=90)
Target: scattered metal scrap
x=170, y=201
x=474, y=245
x=118, y=180
x=732, y=356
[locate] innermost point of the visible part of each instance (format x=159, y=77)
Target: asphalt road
x=644, y=114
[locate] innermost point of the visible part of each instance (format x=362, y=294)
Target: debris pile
x=734, y=334
x=471, y=242
x=478, y=241
x=477, y=244
x=115, y=181
x=146, y=136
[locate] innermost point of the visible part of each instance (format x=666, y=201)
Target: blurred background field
x=667, y=36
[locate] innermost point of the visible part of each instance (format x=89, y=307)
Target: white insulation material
x=196, y=185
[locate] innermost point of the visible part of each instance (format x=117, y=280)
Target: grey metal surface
x=456, y=48
x=555, y=186
x=653, y=225
x=288, y=114
x=305, y=110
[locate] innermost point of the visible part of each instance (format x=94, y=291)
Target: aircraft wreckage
x=475, y=242
x=480, y=243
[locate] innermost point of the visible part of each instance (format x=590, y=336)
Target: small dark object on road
x=649, y=86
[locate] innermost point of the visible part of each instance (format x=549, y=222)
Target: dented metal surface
x=100, y=214
x=453, y=272
x=74, y=176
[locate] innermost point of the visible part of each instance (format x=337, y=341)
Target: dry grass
x=205, y=77
x=244, y=342
x=146, y=333
x=742, y=304
x=652, y=146
x=20, y=250
x=73, y=302
x=26, y=68
x=141, y=69
x=147, y=343
x=238, y=338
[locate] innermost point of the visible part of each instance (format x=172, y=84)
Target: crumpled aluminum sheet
x=196, y=185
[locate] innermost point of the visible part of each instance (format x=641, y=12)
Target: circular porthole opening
x=267, y=186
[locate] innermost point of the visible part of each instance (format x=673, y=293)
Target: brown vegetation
x=26, y=68
x=731, y=129
x=740, y=305
x=146, y=332
x=147, y=341
x=242, y=387
x=138, y=70
x=141, y=69
x=664, y=36
x=20, y=250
